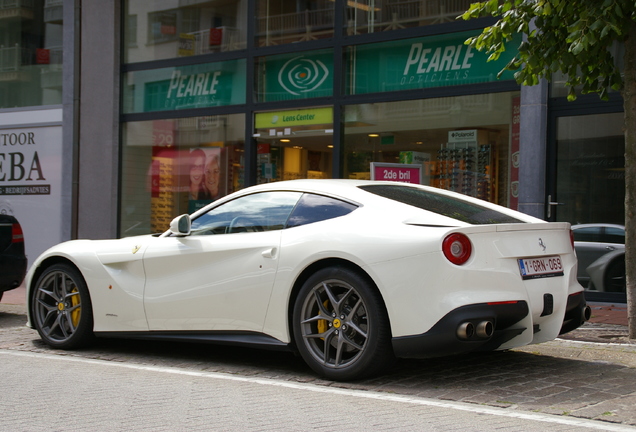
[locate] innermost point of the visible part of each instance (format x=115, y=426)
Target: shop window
x=295, y=76
x=197, y=27
x=281, y=22
x=182, y=87
x=370, y=16
x=176, y=166
x=426, y=62
x=31, y=54
x=466, y=144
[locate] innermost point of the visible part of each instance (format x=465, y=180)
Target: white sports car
x=348, y=273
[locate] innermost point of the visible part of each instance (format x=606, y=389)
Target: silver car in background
x=600, y=249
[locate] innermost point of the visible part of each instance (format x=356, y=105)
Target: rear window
x=452, y=207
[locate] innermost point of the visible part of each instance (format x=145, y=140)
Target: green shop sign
x=300, y=117
x=296, y=76
x=183, y=87
x=423, y=63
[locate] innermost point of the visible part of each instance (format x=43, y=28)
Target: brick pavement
x=564, y=377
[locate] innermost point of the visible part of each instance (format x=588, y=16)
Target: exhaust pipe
x=466, y=330
x=485, y=329
x=587, y=313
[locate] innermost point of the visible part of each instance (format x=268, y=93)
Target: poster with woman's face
x=205, y=177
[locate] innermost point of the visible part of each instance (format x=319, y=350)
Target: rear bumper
x=12, y=271
x=443, y=339
x=576, y=313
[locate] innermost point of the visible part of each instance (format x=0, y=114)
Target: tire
x=62, y=310
x=340, y=325
x=614, y=279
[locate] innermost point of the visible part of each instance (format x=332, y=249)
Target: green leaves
x=574, y=37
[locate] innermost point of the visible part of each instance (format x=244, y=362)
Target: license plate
x=535, y=268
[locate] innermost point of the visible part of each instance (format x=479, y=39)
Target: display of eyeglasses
x=467, y=168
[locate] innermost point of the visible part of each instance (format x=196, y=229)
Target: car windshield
x=444, y=205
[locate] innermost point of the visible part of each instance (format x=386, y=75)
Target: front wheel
x=341, y=326
x=62, y=311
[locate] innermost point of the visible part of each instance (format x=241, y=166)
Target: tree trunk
x=629, y=101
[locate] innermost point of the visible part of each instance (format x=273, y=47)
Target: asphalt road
x=572, y=385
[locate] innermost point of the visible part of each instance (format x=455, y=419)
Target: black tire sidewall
x=83, y=334
x=377, y=353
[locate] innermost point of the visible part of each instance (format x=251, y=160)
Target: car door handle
x=269, y=253
x=610, y=248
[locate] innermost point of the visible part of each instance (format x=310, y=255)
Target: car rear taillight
x=572, y=238
x=457, y=248
x=16, y=233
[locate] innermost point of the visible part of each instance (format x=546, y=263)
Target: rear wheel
x=341, y=326
x=62, y=310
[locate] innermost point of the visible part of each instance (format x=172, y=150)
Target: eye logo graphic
x=301, y=75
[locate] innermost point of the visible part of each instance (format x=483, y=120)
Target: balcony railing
x=53, y=11
x=12, y=58
x=308, y=25
x=230, y=41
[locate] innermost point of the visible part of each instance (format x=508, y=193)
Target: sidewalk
x=609, y=313
x=15, y=296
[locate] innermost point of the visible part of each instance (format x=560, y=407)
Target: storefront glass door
x=590, y=169
x=589, y=192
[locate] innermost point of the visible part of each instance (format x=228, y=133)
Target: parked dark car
x=13, y=262
x=600, y=250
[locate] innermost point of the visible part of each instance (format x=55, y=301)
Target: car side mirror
x=181, y=225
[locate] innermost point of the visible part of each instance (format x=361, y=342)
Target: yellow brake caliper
x=75, y=315
x=323, y=325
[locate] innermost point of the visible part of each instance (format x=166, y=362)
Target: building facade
x=158, y=107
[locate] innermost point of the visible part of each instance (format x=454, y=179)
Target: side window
x=587, y=234
x=614, y=235
x=265, y=211
x=315, y=208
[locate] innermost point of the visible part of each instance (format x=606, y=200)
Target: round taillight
x=457, y=248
